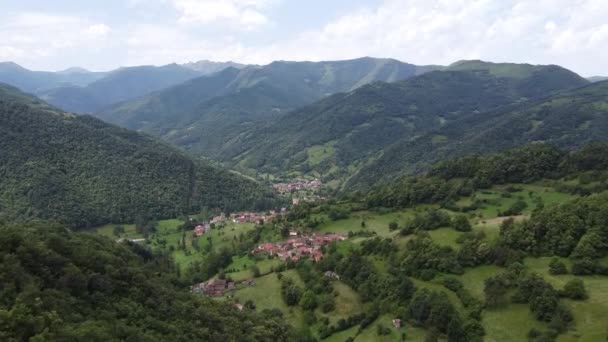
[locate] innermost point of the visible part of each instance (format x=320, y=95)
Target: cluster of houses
x=247, y=217
x=297, y=185
x=250, y=217
x=243, y=217
x=298, y=247
x=218, y=287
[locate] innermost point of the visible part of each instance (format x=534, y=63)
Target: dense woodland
x=341, y=134
x=449, y=180
x=56, y=285
x=82, y=172
x=209, y=115
x=568, y=120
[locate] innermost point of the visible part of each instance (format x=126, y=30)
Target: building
x=201, y=230
x=332, y=275
x=213, y=287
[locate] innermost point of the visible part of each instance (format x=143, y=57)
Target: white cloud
x=572, y=33
x=97, y=30
x=10, y=52
x=38, y=37
x=246, y=14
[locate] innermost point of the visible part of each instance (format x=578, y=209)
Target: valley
x=353, y=200
x=335, y=303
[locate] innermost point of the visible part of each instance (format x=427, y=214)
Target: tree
x=249, y=304
x=557, y=267
x=392, y=226
x=575, y=289
x=118, y=230
x=382, y=330
x=461, y=223
x=495, y=290
x=308, y=300
x=291, y=292
x=255, y=270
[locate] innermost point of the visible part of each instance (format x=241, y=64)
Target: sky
x=105, y=34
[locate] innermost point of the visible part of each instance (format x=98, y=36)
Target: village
x=297, y=185
x=294, y=249
x=298, y=247
x=237, y=218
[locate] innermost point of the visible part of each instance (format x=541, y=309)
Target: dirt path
x=498, y=220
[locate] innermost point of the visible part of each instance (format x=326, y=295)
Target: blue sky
x=102, y=35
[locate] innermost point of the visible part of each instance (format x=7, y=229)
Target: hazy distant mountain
x=37, y=81
x=341, y=134
x=209, y=67
x=210, y=112
x=597, y=78
x=80, y=171
x=119, y=85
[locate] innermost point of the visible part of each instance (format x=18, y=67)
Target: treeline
x=395, y=293
x=57, y=285
x=515, y=285
x=577, y=229
x=447, y=181
x=82, y=172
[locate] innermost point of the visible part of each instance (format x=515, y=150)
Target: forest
x=57, y=285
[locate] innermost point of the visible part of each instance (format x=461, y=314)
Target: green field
x=511, y=322
x=242, y=267
x=348, y=303
x=591, y=315
x=493, y=199
x=108, y=230
x=266, y=294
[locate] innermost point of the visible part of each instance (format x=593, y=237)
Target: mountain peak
x=11, y=66
x=74, y=70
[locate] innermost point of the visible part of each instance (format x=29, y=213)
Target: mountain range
x=341, y=134
x=352, y=122
x=39, y=81
x=568, y=120
x=208, y=113
x=82, y=172
x=81, y=91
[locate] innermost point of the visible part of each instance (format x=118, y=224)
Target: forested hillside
x=63, y=286
x=210, y=113
x=510, y=246
x=116, y=86
x=567, y=120
x=341, y=134
x=83, y=172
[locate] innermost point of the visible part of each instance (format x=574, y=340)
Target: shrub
x=575, y=289
x=557, y=267
x=461, y=223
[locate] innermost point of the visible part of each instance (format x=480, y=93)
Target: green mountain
x=206, y=114
x=119, y=85
x=567, y=120
x=341, y=134
x=58, y=285
x=81, y=172
x=38, y=81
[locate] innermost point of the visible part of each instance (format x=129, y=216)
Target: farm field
x=108, y=230
x=266, y=294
